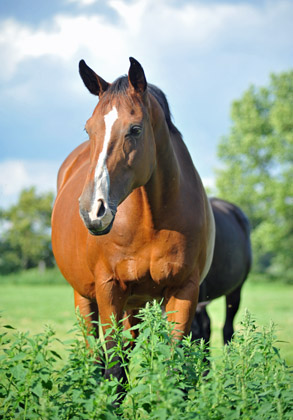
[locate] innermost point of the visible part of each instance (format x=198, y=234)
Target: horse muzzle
x=99, y=220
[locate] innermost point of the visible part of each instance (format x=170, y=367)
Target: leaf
x=109, y=416
x=65, y=387
x=127, y=335
x=40, y=358
x=180, y=351
x=139, y=389
x=111, y=364
x=89, y=405
x=76, y=395
x=38, y=390
x=56, y=354
x=18, y=357
x=160, y=413
x=19, y=372
x=9, y=327
x=47, y=384
x=164, y=350
x=91, y=341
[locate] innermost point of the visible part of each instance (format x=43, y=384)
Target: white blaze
x=102, y=180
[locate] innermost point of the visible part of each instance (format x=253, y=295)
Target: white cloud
x=132, y=14
x=83, y=3
x=66, y=36
x=16, y=175
x=203, y=54
x=147, y=27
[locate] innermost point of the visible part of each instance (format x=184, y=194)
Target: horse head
x=122, y=145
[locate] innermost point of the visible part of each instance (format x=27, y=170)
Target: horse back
x=232, y=252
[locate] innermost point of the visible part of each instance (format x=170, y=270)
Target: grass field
x=31, y=300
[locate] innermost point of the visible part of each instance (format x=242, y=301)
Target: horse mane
x=121, y=85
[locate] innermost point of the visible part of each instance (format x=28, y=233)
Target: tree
x=257, y=172
x=25, y=232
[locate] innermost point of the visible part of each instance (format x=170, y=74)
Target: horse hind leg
x=201, y=329
x=201, y=325
x=232, y=306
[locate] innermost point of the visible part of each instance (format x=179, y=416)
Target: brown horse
x=131, y=221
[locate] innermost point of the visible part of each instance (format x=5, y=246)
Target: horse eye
x=135, y=130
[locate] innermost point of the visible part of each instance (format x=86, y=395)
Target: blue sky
x=202, y=54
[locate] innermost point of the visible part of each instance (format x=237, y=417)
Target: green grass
x=30, y=300
x=267, y=301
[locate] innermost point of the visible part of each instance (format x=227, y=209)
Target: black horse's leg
x=206, y=326
x=201, y=325
x=201, y=328
x=232, y=306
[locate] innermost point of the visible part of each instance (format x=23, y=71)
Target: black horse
x=230, y=267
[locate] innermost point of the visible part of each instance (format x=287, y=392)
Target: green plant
x=249, y=381
x=35, y=386
x=166, y=379
x=26, y=366
x=161, y=370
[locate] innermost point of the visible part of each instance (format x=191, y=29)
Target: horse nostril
x=101, y=208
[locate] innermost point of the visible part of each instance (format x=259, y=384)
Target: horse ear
x=136, y=76
x=95, y=84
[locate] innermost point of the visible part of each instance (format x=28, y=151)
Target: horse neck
x=163, y=187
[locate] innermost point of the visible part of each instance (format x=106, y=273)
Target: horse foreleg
x=183, y=302
x=131, y=320
x=232, y=305
x=88, y=310
x=111, y=301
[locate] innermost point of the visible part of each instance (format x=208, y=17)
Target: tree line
x=25, y=240
x=256, y=174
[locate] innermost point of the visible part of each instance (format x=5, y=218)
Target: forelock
x=119, y=90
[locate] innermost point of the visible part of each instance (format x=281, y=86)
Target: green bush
x=165, y=380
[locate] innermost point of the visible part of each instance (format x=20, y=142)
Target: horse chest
x=168, y=262
x=160, y=263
